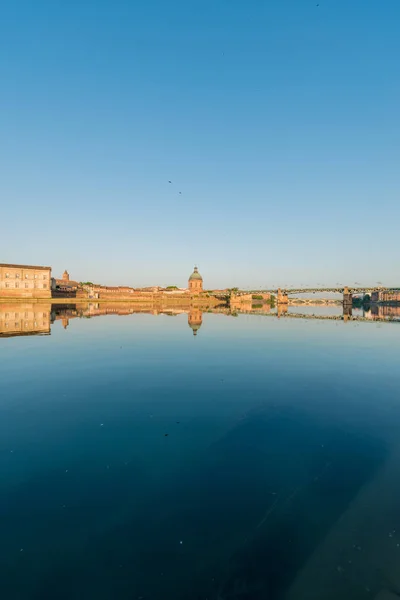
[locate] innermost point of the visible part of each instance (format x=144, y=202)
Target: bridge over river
x=282, y=294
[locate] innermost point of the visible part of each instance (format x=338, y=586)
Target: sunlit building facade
x=24, y=281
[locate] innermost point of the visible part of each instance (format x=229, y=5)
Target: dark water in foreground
x=257, y=460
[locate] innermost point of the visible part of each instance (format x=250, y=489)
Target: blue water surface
x=256, y=460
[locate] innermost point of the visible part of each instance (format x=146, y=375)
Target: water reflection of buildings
x=282, y=310
x=195, y=319
x=24, y=319
x=88, y=311
x=19, y=319
x=382, y=312
x=65, y=314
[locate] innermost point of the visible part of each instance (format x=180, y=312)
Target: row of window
x=7, y=285
x=18, y=276
x=35, y=324
x=16, y=316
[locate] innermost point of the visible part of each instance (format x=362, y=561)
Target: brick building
x=195, y=282
x=65, y=284
x=109, y=292
x=24, y=281
x=385, y=296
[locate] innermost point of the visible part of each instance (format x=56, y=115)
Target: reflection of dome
x=195, y=319
x=195, y=327
x=195, y=275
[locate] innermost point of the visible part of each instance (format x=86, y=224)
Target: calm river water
x=258, y=459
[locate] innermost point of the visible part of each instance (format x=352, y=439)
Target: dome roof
x=195, y=275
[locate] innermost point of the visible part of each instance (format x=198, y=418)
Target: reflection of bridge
x=282, y=295
x=383, y=314
x=334, y=317
x=373, y=319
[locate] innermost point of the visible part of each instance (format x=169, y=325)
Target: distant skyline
x=277, y=124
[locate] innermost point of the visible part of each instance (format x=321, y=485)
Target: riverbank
x=153, y=300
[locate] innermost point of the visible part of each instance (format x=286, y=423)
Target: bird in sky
x=169, y=181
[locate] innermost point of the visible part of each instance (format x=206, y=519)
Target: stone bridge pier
x=347, y=297
x=282, y=297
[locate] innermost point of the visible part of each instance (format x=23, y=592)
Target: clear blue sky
x=279, y=121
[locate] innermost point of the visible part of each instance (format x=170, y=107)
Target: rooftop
x=23, y=266
x=195, y=275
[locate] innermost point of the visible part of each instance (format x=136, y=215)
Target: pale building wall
x=24, y=281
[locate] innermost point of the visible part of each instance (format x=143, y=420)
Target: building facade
x=195, y=282
x=25, y=281
x=385, y=296
x=65, y=284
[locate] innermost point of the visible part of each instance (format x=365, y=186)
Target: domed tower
x=195, y=319
x=65, y=275
x=195, y=282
